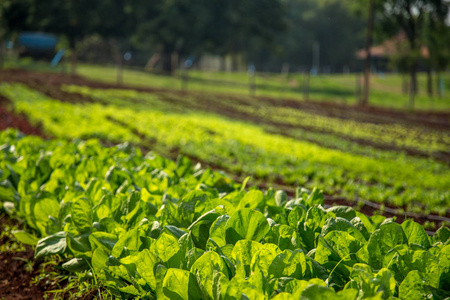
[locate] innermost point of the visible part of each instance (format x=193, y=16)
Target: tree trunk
x=365, y=97
x=306, y=86
x=174, y=63
x=2, y=55
x=438, y=84
x=118, y=61
x=166, y=60
x=252, y=84
x=222, y=63
x=234, y=62
x=413, y=85
x=429, y=82
x=73, y=56
x=73, y=62
x=405, y=84
x=234, y=59
x=184, y=76
x=358, y=96
x=1, y=60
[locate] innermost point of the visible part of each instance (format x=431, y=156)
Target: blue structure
x=38, y=40
x=37, y=45
x=58, y=57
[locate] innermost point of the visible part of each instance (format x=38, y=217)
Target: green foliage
x=143, y=230
x=330, y=24
x=249, y=148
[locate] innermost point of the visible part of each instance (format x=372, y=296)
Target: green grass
x=386, y=90
x=32, y=65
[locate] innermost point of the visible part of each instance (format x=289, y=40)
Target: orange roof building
x=391, y=47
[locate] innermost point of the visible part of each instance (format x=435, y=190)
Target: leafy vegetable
x=149, y=227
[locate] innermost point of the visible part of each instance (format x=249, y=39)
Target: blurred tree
x=198, y=26
x=369, y=38
x=174, y=26
x=74, y=19
x=14, y=17
x=254, y=23
x=332, y=24
x=410, y=16
x=367, y=9
x=117, y=22
x=219, y=33
x=436, y=38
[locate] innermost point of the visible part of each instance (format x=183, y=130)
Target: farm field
x=386, y=89
x=338, y=88
x=268, y=229
x=350, y=154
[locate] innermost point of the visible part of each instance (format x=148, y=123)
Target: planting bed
x=120, y=223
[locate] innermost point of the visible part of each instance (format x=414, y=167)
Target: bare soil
x=18, y=270
x=9, y=119
x=24, y=278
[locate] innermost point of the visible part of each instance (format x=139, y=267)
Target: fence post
x=251, y=80
x=1, y=61
x=358, y=89
x=118, y=57
x=441, y=85
x=405, y=85
x=285, y=76
x=119, y=69
x=2, y=54
x=306, y=85
x=184, y=76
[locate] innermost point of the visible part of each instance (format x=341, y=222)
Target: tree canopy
x=266, y=32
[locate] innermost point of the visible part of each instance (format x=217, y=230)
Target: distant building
x=384, y=53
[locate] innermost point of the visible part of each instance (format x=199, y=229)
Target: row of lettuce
x=343, y=134
x=238, y=147
x=148, y=227
x=379, y=131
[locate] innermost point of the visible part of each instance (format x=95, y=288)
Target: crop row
x=144, y=226
x=391, y=134
x=239, y=147
x=298, y=122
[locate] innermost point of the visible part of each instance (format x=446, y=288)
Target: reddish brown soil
x=50, y=83
x=24, y=278
x=16, y=282
x=9, y=119
x=16, y=274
